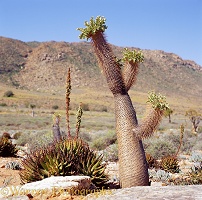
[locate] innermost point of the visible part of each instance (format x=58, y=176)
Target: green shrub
x=3, y=104
x=85, y=107
x=63, y=158
x=101, y=141
x=55, y=107
x=111, y=153
x=8, y=94
x=158, y=147
x=17, y=135
x=7, y=149
x=35, y=140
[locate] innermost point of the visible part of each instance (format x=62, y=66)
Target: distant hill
x=42, y=66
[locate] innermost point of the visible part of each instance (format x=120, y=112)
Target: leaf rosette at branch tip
x=132, y=56
x=92, y=27
x=157, y=101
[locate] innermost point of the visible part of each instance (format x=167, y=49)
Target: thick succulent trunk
x=132, y=162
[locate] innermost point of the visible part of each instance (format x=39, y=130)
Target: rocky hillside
x=43, y=66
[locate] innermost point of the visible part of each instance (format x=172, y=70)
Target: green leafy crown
x=158, y=101
x=92, y=27
x=134, y=56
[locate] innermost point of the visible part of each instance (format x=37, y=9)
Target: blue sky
x=169, y=25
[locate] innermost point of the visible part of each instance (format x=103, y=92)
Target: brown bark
x=132, y=161
x=108, y=64
x=133, y=166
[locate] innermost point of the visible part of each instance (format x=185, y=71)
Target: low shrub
x=110, y=153
x=85, y=107
x=196, y=174
x=196, y=157
x=7, y=149
x=158, y=147
x=101, y=141
x=35, y=140
x=3, y=104
x=55, y=107
x=17, y=135
x=8, y=94
x=192, y=178
x=151, y=161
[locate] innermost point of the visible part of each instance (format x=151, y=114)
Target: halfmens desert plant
x=56, y=126
x=133, y=167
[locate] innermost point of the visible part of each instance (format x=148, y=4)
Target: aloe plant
x=64, y=158
x=133, y=167
x=7, y=149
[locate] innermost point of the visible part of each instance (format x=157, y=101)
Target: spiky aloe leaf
x=92, y=166
x=62, y=158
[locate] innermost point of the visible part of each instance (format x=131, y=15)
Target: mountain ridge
x=42, y=66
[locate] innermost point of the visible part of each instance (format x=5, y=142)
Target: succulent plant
x=151, y=161
x=196, y=157
x=7, y=149
x=159, y=175
x=162, y=175
x=195, y=175
x=63, y=158
x=120, y=79
x=13, y=165
x=170, y=164
x=6, y=135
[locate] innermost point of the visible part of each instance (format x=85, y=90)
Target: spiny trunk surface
x=132, y=162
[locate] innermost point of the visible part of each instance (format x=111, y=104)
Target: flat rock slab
x=48, y=186
x=191, y=192
x=64, y=182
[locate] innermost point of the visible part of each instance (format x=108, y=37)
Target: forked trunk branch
x=108, y=64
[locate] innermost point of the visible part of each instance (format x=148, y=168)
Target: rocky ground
x=10, y=178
